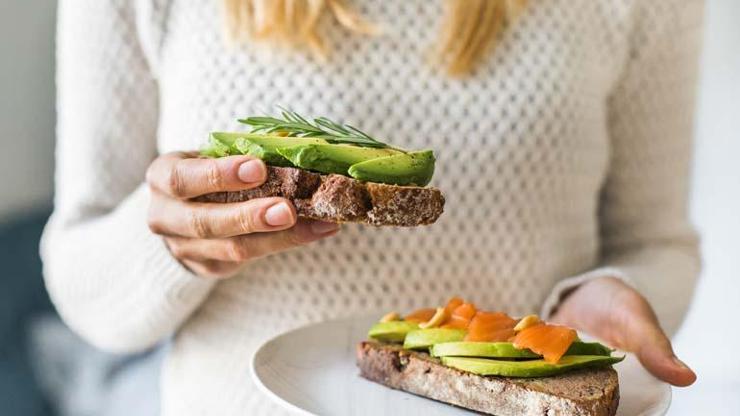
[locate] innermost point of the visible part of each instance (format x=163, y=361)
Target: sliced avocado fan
x=382, y=165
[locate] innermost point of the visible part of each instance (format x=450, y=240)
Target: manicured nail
x=278, y=214
x=322, y=227
x=251, y=171
x=680, y=363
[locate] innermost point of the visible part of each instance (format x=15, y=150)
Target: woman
x=563, y=145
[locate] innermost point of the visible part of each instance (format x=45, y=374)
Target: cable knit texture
x=563, y=158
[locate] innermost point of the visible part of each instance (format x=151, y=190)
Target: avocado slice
x=530, y=368
x=413, y=168
x=268, y=141
x=588, y=348
x=425, y=338
x=258, y=145
x=508, y=350
x=269, y=156
x=393, y=331
x=216, y=148
x=331, y=158
x=480, y=349
x=262, y=146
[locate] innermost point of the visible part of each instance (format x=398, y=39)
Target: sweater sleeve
x=111, y=279
x=646, y=237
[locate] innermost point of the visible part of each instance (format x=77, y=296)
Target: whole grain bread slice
x=338, y=198
x=592, y=392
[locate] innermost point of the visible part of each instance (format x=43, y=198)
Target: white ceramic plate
x=311, y=370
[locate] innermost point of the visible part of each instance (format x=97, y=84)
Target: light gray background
x=26, y=104
x=709, y=339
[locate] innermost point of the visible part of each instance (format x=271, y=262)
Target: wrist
x=594, y=297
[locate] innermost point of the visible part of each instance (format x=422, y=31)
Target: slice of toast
x=338, y=198
x=592, y=392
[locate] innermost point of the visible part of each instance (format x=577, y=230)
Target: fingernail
x=322, y=227
x=251, y=171
x=680, y=363
x=278, y=214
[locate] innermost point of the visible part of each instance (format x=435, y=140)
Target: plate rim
x=665, y=402
x=263, y=388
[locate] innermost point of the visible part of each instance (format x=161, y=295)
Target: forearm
x=113, y=281
x=646, y=238
x=664, y=273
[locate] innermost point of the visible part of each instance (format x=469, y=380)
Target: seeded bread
x=587, y=392
x=338, y=198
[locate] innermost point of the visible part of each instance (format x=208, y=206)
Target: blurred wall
x=26, y=104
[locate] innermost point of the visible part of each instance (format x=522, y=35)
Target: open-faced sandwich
x=333, y=172
x=490, y=362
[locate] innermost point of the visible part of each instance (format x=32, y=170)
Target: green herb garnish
x=295, y=125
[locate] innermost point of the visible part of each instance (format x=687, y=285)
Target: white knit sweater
x=564, y=157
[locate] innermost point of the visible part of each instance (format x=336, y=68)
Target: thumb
x=656, y=355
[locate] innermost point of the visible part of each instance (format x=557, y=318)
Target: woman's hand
x=216, y=240
x=609, y=309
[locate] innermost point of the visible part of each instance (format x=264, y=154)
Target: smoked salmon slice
x=461, y=316
x=452, y=304
x=491, y=327
x=420, y=315
x=550, y=341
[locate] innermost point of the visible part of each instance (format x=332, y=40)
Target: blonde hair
x=469, y=28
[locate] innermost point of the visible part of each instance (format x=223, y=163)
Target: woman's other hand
x=217, y=240
x=610, y=310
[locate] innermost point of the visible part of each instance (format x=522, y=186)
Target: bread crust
x=338, y=198
x=587, y=392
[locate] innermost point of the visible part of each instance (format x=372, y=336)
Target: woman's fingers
x=249, y=247
x=174, y=217
x=182, y=175
x=222, y=258
x=644, y=337
x=639, y=332
x=215, y=240
x=212, y=268
x=658, y=358
x=615, y=312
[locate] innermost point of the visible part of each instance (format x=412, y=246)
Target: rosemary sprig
x=294, y=124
